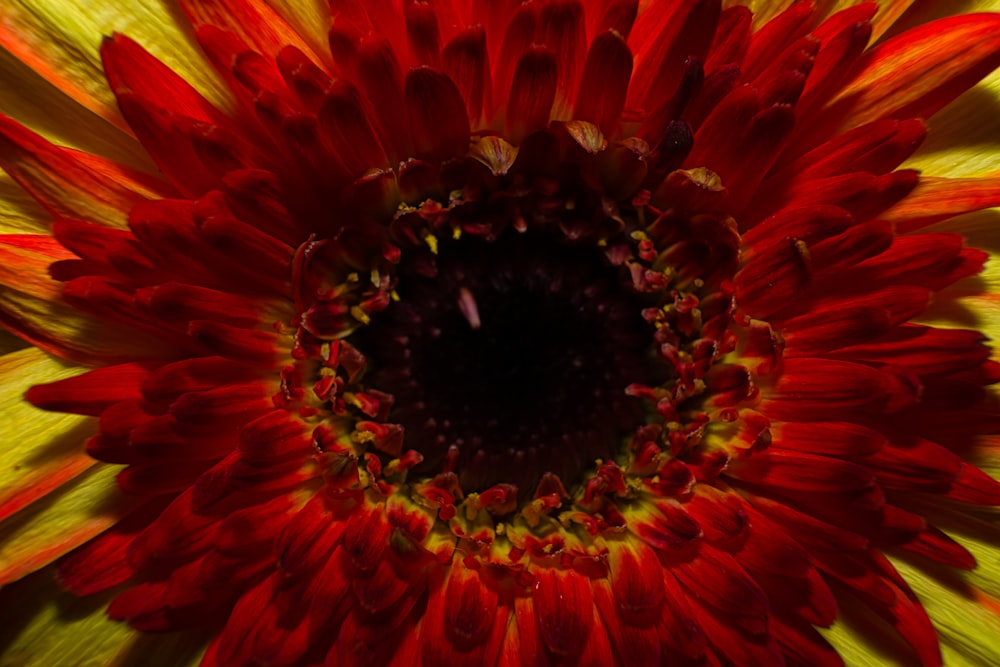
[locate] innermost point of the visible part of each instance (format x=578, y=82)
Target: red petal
x=365, y=540
x=618, y=15
x=732, y=38
x=928, y=260
x=936, y=545
x=564, y=610
x=844, y=38
x=768, y=43
x=809, y=224
x=902, y=303
x=129, y=67
x=844, y=251
x=423, y=33
x=72, y=184
x=894, y=602
x=605, y=82
x=800, y=472
x=253, y=21
x=380, y=78
x=827, y=438
x=273, y=436
x=636, y=581
x=222, y=402
x=635, y=644
x=561, y=30
x=774, y=277
x=381, y=589
x=828, y=330
x=825, y=385
x=802, y=645
x=877, y=148
x=936, y=199
x=438, y=120
x=102, y=562
x=975, y=486
x=169, y=147
x=722, y=515
x=466, y=61
x=345, y=123
x=236, y=343
x=161, y=478
x=809, y=531
x=308, y=81
x=925, y=350
x=919, y=72
x=180, y=304
x=92, y=392
x=168, y=382
x=532, y=92
x=665, y=36
x=715, y=579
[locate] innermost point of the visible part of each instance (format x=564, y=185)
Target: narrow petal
x=73, y=184
x=43, y=450
x=71, y=515
x=253, y=21
x=937, y=199
x=919, y=72
x=66, y=52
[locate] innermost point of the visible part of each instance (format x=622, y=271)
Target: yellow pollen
x=360, y=315
x=432, y=243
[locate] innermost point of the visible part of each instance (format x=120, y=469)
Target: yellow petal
x=44, y=626
x=30, y=98
x=60, y=40
x=966, y=621
x=310, y=18
x=42, y=450
x=19, y=212
x=71, y=183
x=964, y=137
x=30, y=306
x=76, y=512
x=974, y=302
x=10, y=343
x=888, y=13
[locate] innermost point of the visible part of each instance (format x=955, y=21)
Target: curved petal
x=43, y=450
x=60, y=40
x=41, y=626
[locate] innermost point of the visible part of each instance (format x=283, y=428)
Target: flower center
x=510, y=358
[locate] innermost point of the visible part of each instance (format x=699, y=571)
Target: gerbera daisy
x=463, y=332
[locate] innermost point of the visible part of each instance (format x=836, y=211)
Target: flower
x=497, y=333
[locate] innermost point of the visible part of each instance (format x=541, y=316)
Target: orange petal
x=936, y=199
x=917, y=73
x=43, y=450
x=253, y=21
x=73, y=184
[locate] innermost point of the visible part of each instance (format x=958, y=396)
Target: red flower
x=503, y=333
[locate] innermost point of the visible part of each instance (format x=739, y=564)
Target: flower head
x=557, y=332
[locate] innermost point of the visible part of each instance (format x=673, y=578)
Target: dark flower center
x=510, y=358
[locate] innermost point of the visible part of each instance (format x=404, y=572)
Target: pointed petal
x=66, y=51
x=43, y=450
x=72, y=184
x=253, y=21
x=71, y=515
x=919, y=72
x=439, y=122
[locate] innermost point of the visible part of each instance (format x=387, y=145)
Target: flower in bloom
x=558, y=332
